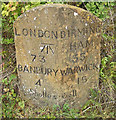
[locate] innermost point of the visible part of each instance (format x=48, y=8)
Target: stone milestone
x=58, y=54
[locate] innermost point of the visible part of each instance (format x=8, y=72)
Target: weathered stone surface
x=58, y=54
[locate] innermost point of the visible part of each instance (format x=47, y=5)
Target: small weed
x=10, y=102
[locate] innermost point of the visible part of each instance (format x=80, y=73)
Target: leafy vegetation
x=101, y=101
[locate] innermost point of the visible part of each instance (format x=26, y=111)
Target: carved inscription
x=38, y=82
x=67, y=71
x=54, y=34
x=57, y=50
x=47, y=48
x=41, y=58
x=45, y=94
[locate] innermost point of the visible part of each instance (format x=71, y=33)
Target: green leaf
x=13, y=8
x=5, y=81
x=21, y=104
x=14, y=94
x=12, y=91
x=12, y=77
x=86, y=104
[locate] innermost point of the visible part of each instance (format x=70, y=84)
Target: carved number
x=82, y=56
x=74, y=58
x=74, y=93
x=34, y=57
x=41, y=58
x=38, y=82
